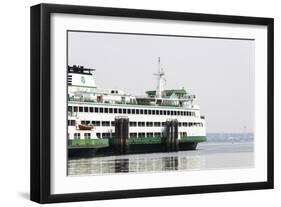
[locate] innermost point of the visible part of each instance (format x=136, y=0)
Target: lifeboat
x=85, y=127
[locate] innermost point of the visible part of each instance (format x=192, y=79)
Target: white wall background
x=14, y=89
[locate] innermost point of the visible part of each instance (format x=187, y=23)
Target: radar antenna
x=160, y=79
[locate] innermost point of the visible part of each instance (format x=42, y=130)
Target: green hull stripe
x=72, y=142
x=194, y=138
x=133, y=140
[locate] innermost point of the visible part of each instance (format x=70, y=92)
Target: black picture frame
x=41, y=95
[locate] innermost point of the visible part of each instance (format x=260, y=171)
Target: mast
x=160, y=78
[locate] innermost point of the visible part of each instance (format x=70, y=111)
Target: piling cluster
x=121, y=144
x=170, y=138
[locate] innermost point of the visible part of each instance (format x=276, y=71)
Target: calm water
x=223, y=154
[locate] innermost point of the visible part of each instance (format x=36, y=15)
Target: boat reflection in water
x=135, y=163
x=219, y=155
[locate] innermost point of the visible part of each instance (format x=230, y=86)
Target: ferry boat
x=93, y=114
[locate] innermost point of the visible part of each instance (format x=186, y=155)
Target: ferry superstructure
x=92, y=113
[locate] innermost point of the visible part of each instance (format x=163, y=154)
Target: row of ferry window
x=138, y=135
x=128, y=111
x=134, y=123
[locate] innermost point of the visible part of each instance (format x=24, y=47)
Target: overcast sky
x=220, y=72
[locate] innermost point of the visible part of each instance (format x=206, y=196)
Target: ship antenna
x=160, y=79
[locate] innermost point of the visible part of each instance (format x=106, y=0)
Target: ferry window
x=120, y=111
x=137, y=111
x=69, y=108
x=157, y=112
x=83, y=122
x=182, y=113
x=105, y=123
x=129, y=111
x=101, y=110
x=133, y=123
x=72, y=122
x=145, y=111
x=184, y=134
x=80, y=109
x=87, y=135
x=178, y=113
x=124, y=111
x=91, y=109
x=86, y=109
x=179, y=124
x=76, y=135
x=113, y=123
x=149, y=134
x=164, y=112
x=157, y=134
x=163, y=123
x=149, y=111
x=185, y=124
x=161, y=112
x=133, y=111
x=96, y=109
x=87, y=122
x=98, y=135
x=141, y=134
x=105, y=110
x=157, y=124
x=149, y=124
x=75, y=108
x=115, y=110
x=141, y=111
x=111, y=110
x=168, y=112
x=153, y=111
x=97, y=123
